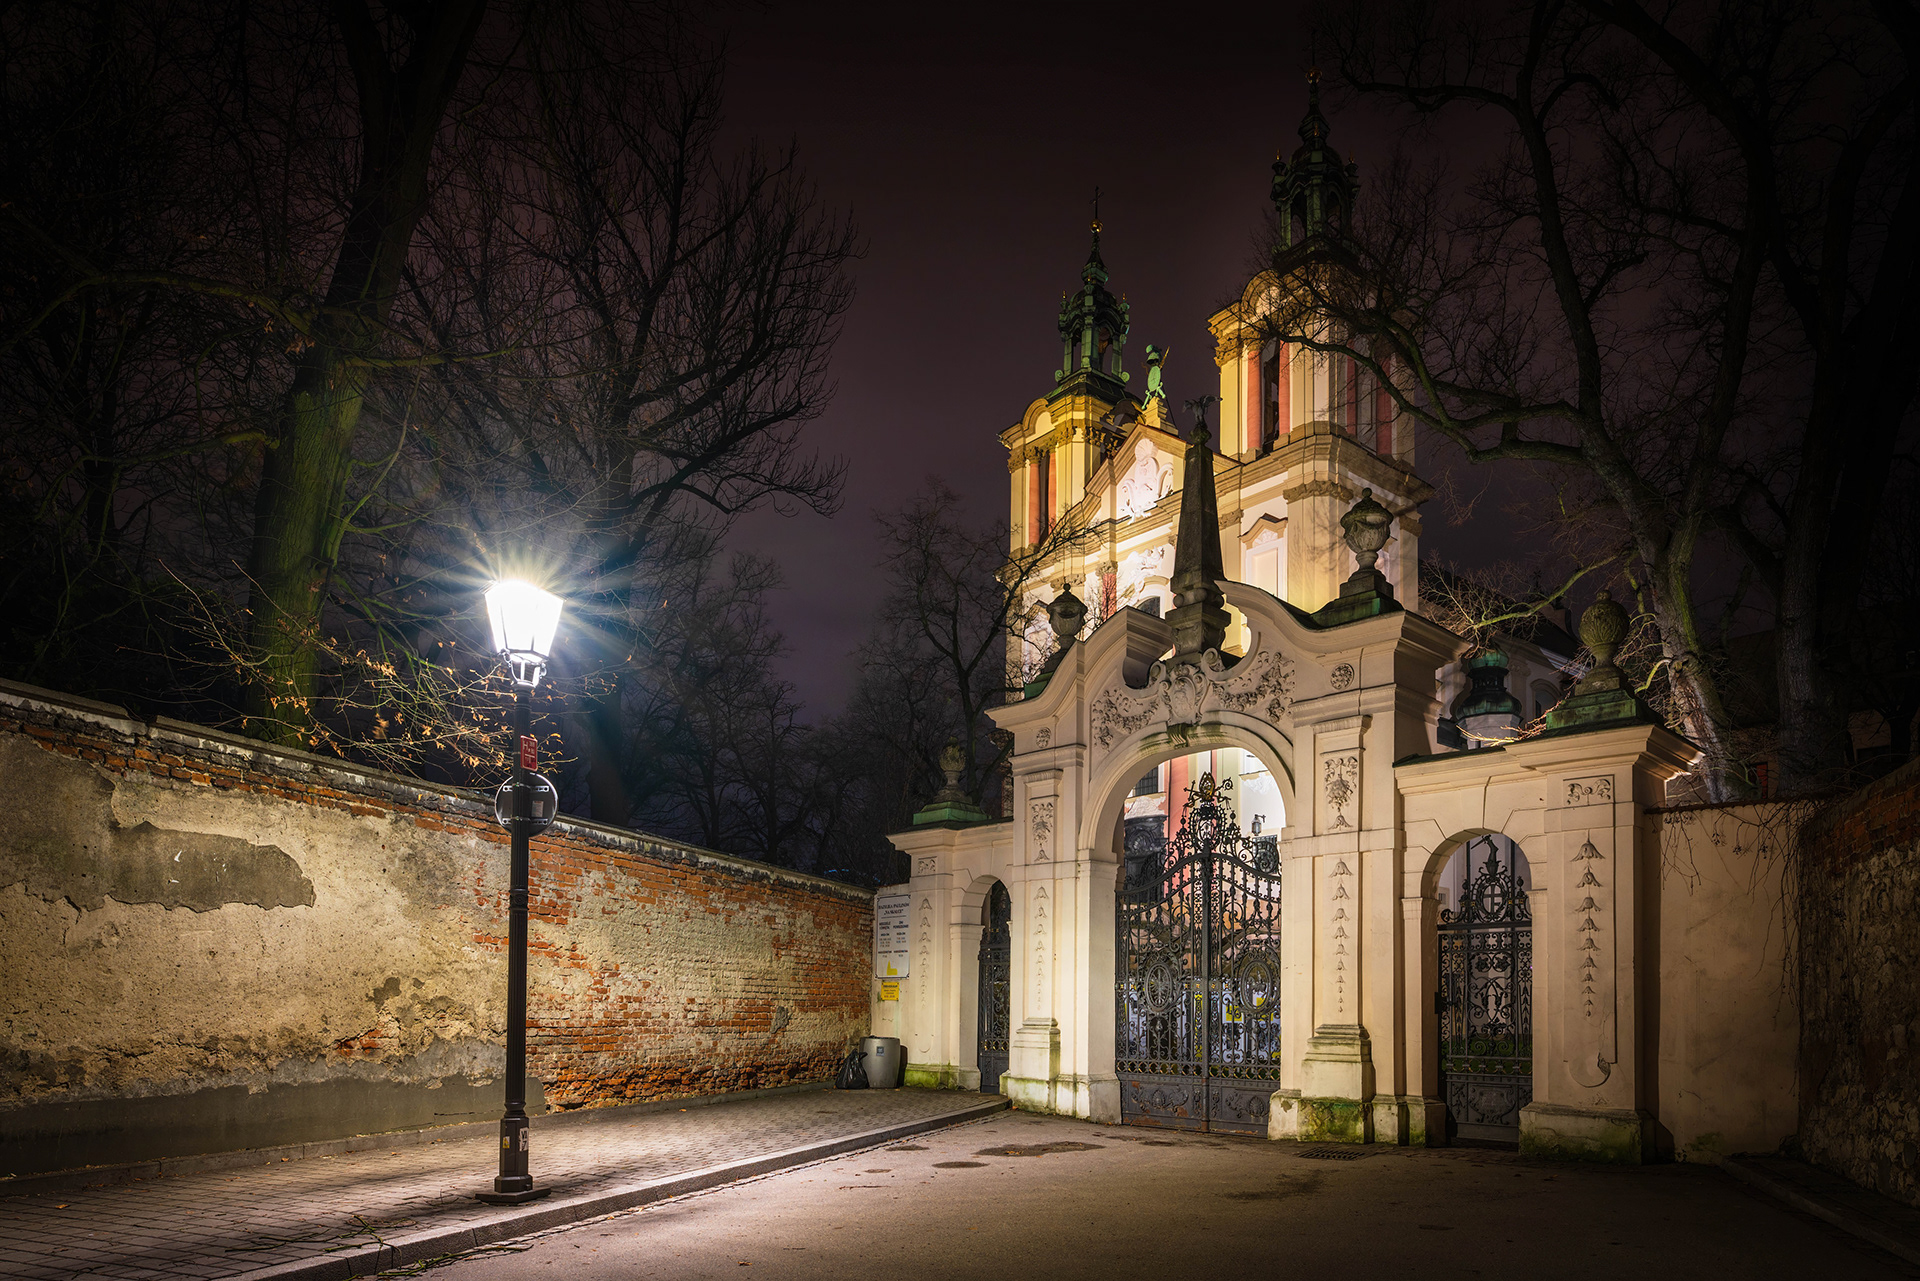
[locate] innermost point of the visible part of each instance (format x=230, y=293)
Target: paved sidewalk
x=1885, y=1222
x=353, y=1214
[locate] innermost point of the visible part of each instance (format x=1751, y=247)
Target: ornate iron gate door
x=1197, y=976
x=1486, y=997
x=996, y=966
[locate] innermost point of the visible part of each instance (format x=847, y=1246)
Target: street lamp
x=524, y=619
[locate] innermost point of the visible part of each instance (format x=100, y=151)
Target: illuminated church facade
x=1255, y=875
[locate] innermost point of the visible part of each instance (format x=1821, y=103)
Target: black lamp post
x=524, y=619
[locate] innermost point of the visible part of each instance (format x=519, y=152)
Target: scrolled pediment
x=1190, y=693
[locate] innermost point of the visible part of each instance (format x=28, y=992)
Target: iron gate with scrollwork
x=1486, y=997
x=996, y=968
x=1197, y=975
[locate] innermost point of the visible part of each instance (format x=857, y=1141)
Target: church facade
x=1251, y=881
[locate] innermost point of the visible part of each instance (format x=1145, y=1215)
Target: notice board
x=892, y=935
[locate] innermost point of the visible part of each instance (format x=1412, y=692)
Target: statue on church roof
x=1156, y=357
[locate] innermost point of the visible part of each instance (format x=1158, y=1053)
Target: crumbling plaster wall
x=1860, y=988
x=210, y=945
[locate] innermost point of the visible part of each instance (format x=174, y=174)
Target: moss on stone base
x=1613, y=1136
x=1028, y=1093
x=1335, y=1121
x=931, y=1076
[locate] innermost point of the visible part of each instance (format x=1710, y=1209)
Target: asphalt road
x=1022, y=1196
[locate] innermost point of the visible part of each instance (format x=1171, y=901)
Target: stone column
x=1425, y=1111
x=1337, y=1075
x=1034, y=1055
x=1586, y=1088
x=1250, y=420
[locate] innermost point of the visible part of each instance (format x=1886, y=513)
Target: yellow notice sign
x=889, y=989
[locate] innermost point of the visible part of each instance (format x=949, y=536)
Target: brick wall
x=210, y=944
x=1859, y=988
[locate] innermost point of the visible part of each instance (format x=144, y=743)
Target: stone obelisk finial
x=1198, y=616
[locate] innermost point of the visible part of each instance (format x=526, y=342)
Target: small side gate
x=996, y=967
x=1486, y=997
x=1197, y=975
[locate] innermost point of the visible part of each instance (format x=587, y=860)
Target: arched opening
x=1197, y=959
x=994, y=1023
x=1485, y=996
x=1154, y=806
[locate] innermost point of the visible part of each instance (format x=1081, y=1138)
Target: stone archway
x=1197, y=959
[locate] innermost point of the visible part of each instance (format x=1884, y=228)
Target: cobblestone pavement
x=230, y=1222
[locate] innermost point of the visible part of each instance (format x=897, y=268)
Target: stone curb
x=99, y=1176
x=1900, y=1246
x=540, y=1216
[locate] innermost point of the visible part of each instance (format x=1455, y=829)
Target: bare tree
x=1615, y=292
x=658, y=314
x=131, y=412
x=938, y=656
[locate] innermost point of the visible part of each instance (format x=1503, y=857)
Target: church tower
x=1067, y=433
x=1311, y=429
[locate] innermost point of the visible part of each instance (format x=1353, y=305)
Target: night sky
x=966, y=141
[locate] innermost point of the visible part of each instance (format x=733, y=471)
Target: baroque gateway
x=1468, y=941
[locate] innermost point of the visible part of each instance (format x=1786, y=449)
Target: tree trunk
x=605, y=724
x=297, y=529
x=299, y=508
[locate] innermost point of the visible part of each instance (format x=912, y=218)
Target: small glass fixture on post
x=524, y=619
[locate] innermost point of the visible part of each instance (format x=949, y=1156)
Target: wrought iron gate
x=1197, y=975
x=996, y=965
x=1486, y=997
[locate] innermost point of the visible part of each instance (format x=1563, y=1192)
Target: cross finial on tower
x=1096, y=209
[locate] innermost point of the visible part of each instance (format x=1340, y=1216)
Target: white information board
x=892, y=941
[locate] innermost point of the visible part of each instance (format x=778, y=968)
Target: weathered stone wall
x=210, y=945
x=1860, y=987
x=1727, y=1009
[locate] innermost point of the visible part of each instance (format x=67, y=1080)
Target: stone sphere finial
x=1602, y=627
x=1365, y=525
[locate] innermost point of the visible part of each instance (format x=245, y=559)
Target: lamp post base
x=512, y=1198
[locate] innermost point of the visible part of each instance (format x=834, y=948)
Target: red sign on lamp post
x=529, y=753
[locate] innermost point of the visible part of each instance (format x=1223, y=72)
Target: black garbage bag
x=853, y=1072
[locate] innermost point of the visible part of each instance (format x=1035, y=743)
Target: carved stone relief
x=1131, y=578
x=929, y=865
x=1341, y=677
x=1340, y=899
x=1593, y=963
x=923, y=1039
x=1590, y=791
x=1042, y=830
x=1042, y=927
x=1042, y=737
x=1260, y=685
x=1145, y=483
x=1341, y=777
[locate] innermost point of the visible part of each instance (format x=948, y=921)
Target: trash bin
x=880, y=1055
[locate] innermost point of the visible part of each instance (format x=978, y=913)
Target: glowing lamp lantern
x=524, y=620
